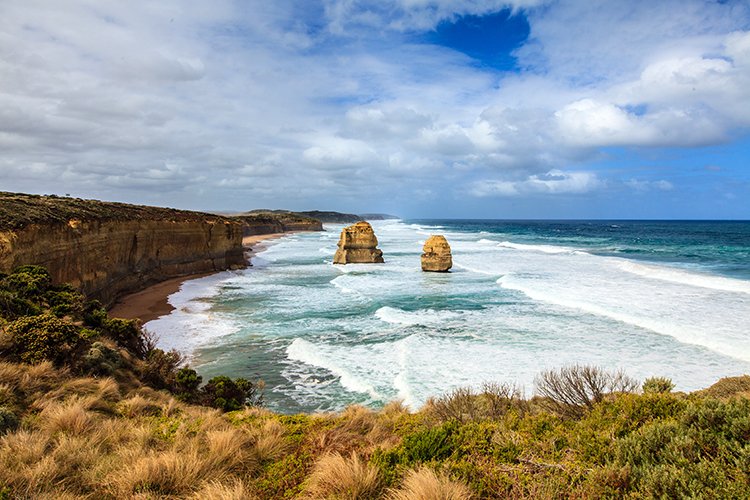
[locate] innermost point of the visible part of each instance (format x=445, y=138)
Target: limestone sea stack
x=437, y=254
x=358, y=244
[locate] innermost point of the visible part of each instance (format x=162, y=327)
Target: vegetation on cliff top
x=18, y=210
x=282, y=220
x=89, y=408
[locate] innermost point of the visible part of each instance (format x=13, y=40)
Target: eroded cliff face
x=269, y=224
x=108, y=258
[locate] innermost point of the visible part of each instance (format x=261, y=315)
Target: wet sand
x=151, y=303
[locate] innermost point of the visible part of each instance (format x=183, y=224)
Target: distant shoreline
x=152, y=302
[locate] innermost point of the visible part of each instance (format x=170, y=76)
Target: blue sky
x=423, y=108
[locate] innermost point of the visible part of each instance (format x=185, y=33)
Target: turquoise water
x=653, y=298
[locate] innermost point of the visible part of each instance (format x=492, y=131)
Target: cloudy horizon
x=423, y=108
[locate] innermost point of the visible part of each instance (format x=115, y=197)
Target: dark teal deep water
x=667, y=298
x=722, y=247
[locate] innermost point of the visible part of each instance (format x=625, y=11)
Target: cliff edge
x=108, y=249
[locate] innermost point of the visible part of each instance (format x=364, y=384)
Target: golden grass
x=168, y=472
x=32, y=379
x=729, y=387
x=270, y=441
x=425, y=484
x=136, y=406
x=335, y=476
x=214, y=490
x=71, y=417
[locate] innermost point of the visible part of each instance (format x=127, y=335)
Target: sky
x=421, y=108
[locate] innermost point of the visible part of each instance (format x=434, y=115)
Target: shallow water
x=653, y=298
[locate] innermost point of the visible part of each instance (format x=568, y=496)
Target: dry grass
x=728, y=387
x=137, y=406
x=168, y=472
x=220, y=491
x=425, y=484
x=270, y=441
x=70, y=417
x=32, y=379
x=335, y=476
x=230, y=450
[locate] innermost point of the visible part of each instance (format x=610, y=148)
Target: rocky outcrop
x=109, y=249
x=437, y=254
x=358, y=244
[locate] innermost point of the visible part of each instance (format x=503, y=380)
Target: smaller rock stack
x=358, y=244
x=437, y=254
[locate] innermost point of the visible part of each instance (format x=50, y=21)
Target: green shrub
x=8, y=420
x=229, y=395
x=160, y=368
x=424, y=445
x=126, y=333
x=94, y=314
x=101, y=360
x=187, y=382
x=28, y=281
x=44, y=338
x=728, y=420
x=658, y=385
x=12, y=306
x=65, y=302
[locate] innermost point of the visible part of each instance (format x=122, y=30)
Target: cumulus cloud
x=240, y=104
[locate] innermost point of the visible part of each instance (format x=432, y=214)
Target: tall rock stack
x=358, y=244
x=437, y=254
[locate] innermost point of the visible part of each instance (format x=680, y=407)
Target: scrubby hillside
x=89, y=408
x=276, y=221
x=20, y=210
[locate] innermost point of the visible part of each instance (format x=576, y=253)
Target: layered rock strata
x=282, y=222
x=358, y=244
x=109, y=249
x=436, y=256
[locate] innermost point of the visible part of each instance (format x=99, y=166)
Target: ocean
x=654, y=298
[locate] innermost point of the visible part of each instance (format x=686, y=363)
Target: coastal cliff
x=276, y=221
x=109, y=249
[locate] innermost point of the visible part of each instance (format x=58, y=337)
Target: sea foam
x=325, y=336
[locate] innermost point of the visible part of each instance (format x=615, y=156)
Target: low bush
x=101, y=360
x=229, y=395
x=160, y=368
x=186, y=384
x=45, y=338
x=13, y=307
x=657, y=385
x=28, y=282
x=572, y=390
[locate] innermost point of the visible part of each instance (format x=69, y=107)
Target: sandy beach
x=151, y=303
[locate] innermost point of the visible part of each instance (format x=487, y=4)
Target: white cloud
x=552, y=182
x=104, y=98
x=643, y=185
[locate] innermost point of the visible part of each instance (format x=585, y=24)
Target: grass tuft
x=335, y=476
x=425, y=484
